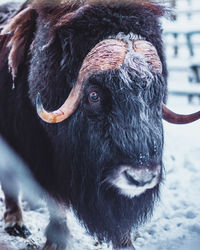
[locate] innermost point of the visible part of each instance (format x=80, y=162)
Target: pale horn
x=106, y=55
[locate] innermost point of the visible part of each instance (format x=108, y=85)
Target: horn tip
x=39, y=105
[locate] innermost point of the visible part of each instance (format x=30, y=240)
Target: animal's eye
x=93, y=97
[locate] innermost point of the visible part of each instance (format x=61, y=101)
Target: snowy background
x=175, y=224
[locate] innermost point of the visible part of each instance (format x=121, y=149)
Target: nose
x=141, y=176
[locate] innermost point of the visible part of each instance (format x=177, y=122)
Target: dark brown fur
x=45, y=44
x=22, y=24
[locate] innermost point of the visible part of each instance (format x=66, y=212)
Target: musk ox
x=101, y=151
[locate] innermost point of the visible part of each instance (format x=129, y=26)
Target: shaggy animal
x=101, y=151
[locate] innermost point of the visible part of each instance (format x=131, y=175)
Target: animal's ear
x=20, y=30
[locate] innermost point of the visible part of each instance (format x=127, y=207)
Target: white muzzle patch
x=133, y=182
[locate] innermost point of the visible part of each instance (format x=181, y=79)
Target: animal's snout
x=140, y=177
x=133, y=182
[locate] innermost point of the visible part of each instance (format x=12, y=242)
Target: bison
x=101, y=151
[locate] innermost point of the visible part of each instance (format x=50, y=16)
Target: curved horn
x=150, y=53
x=106, y=55
x=172, y=117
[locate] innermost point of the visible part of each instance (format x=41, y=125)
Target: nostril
x=139, y=178
x=130, y=179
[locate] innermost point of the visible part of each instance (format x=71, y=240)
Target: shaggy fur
x=72, y=160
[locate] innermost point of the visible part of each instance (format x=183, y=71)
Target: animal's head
x=104, y=61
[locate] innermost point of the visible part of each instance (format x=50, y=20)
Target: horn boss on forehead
x=106, y=55
x=109, y=54
x=150, y=53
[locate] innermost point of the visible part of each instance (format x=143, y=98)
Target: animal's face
x=119, y=128
x=116, y=127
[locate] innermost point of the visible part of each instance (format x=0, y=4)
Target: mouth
x=133, y=182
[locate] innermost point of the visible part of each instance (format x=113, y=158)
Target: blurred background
x=182, y=44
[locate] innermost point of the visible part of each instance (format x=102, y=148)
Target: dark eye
x=93, y=97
